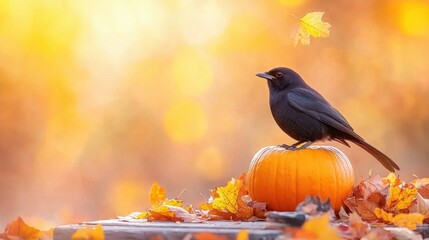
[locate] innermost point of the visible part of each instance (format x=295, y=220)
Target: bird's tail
x=381, y=157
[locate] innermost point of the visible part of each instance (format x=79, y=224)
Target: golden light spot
x=291, y=3
x=212, y=20
x=192, y=73
x=210, y=163
x=185, y=121
x=128, y=195
x=414, y=17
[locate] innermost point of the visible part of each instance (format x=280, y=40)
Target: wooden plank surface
x=117, y=229
x=138, y=229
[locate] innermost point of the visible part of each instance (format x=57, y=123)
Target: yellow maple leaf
x=173, y=202
x=401, y=197
x=310, y=25
x=18, y=229
x=156, y=194
x=317, y=228
x=410, y=220
x=89, y=233
x=227, y=200
x=383, y=215
x=392, y=179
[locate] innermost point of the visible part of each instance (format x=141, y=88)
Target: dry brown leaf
x=362, y=207
x=378, y=234
x=357, y=227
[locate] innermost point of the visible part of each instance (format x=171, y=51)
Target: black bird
x=302, y=113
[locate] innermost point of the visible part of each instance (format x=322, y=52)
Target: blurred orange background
x=101, y=98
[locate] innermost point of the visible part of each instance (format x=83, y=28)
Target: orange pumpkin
x=283, y=178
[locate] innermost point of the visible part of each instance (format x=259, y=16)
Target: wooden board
x=117, y=229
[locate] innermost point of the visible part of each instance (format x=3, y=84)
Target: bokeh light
x=185, y=121
x=414, y=17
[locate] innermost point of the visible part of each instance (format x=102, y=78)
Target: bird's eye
x=279, y=74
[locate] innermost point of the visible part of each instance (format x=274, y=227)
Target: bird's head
x=281, y=78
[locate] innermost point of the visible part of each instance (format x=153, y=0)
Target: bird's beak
x=265, y=75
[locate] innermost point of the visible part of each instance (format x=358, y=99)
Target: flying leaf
x=89, y=233
x=227, y=200
x=310, y=25
x=156, y=194
x=18, y=229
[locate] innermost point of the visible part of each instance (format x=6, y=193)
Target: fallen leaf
x=410, y=220
x=378, y=234
x=317, y=228
x=383, y=215
x=422, y=185
x=403, y=233
x=362, y=207
x=18, y=229
x=243, y=235
x=47, y=235
x=227, y=200
x=421, y=206
x=310, y=25
x=183, y=214
x=370, y=186
x=162, y=213
x=89, y=233
x=156, y=194
x=357, y=227
x=244, y=212
x=401, y=197
x=259, y=208
x=209, y=236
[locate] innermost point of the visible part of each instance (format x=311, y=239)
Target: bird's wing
x=313, y=104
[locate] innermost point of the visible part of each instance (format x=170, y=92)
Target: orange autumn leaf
x=317, y=228
x=243, y=235
x=18, y=229
x=156, y=194
x=209, y=236
x=244, y=212
x=227, y=200
x=89, y=233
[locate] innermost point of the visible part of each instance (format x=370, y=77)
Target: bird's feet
x=287, y=147
x=295, y=145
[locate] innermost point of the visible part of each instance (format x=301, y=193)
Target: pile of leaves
x=390, y=200
x=230, y=202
